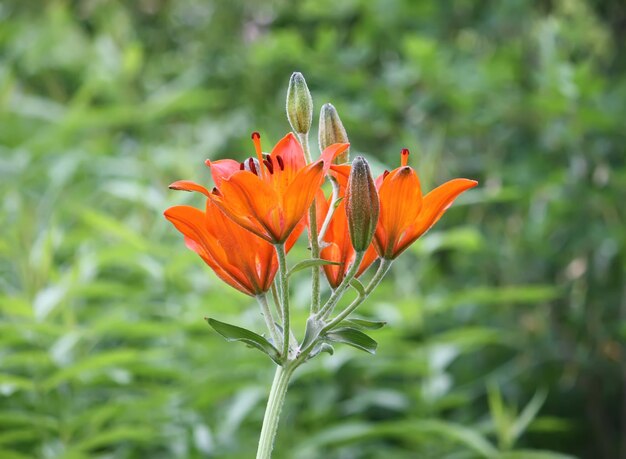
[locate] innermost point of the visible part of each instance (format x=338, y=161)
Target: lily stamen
x=404, y=157
x=256, y=139
x=252, y=166
x=281, y=163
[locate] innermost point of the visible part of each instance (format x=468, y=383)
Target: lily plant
x=259, y=207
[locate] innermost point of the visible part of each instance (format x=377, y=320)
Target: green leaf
x=533, y=454
x=8, y=454
x=338, y=201
x=234, y=333
x=364, y=324
x=94, y=363
x=529, y=413
x=310, y=263
x=312, y=331
x=353, y=337
x=411, y=431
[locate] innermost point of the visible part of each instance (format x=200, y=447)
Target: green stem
x=340, y=290
x=304, y=141
x=385, y=264
x=313, y=235
x=315, y=253
x=284, y=291
x=331, y=210
x=277, y=301
x=273, y=409
x=269, y=319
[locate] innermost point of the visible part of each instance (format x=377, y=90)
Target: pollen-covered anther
x=215, y=191
x=281, y=163
x=242, y=166
x=269, y=165
x=252, y=166
x=385, y=174
x=404, y=157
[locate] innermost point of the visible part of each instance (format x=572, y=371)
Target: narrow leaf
x=528, y=414
x=353, y=337
x=364, y=324
x=310, y=263
x=234, y=333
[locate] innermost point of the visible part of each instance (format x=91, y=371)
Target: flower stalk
x=274, y=406
x=284, y=298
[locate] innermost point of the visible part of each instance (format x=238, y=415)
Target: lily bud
x=299, y=104
x=332, y=131
x=361, y=205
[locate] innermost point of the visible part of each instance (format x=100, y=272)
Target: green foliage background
x=507, y=322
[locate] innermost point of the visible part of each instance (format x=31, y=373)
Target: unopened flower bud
x=361, y=205
x=299, y=104
x=332, y=131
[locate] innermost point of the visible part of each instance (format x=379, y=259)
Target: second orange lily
x=405, y=214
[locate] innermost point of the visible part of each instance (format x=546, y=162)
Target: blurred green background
x=507, y=322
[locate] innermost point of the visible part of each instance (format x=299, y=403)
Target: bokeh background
x=507, y=322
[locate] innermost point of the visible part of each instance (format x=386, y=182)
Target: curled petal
x=331, y=152
x=188, y=185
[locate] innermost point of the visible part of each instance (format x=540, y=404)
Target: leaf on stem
x=353, y=337
x=311, y=262
x=364, y=324
x=234, y=333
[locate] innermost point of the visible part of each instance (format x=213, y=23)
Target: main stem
x=345, y=283
x=273, y=409
x=284, y=291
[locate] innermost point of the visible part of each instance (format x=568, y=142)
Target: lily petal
x=434, y=206
x=188, y=185
x=290, y=150
x=251, y=202
x=222, y=169
x=400, y=204
x=341, y=172
x=331, y=152
x=300, y=194
x=192, y=224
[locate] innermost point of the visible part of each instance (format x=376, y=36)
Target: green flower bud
x=299, y=104
x=361, y=205
x=332, y=131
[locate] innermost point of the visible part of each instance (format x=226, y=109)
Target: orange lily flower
x=405, y=214
x=237, y=256
x=337, y=246
x=270, y=195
